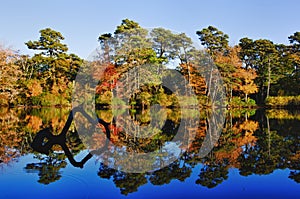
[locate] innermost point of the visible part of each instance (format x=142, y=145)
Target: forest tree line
x=253, y=71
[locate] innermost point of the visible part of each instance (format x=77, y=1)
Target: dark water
x=257, y=155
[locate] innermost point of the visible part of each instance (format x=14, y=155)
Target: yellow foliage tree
x=10, y=74
x=246, y=85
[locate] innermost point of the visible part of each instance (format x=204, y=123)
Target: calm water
x=256, y=155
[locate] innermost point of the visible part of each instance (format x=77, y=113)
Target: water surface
x=257, y=155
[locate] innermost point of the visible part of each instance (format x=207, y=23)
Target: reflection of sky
x=172, y=148
x=85, y=183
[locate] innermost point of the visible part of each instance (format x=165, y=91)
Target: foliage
x=213, y=39
x=283, y=101
x=52, y=70
x=253, y=68
x=238, y=102
x=10, y=77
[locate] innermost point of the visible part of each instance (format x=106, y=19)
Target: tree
x=132, y=47
x=10, y=77
x=53, y=61
x=295, y=41
x=295, y=50
x=49, y=43
x=246, y=53
x=246, y=78
x=48, y=168
x=53, y=67
x=126, y=25
x=213, y=40
x=105, y=42
x=229, y=64
x=183, y=47
x=162, y=42
x=212, y=174
x=262, y=56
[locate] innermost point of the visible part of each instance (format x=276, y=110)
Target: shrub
x=283, y=101
x=238, y=102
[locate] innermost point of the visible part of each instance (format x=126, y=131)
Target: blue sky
x=81, y=22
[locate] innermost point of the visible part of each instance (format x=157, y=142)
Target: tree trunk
x=189, y=74
x=269, y=136
x=269, y=77
x=209, y=85
x=230, y=93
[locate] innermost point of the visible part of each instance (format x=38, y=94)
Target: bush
x=283, y=101
x=238, y=102
x=48, y=99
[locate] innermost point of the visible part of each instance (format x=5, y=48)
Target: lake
x=151, y=153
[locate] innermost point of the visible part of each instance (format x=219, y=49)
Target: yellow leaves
x=249, y=88
x=231, y=58
x=281, y=114
x=249, y=126
x=34, y=88
x=10, y=137
x=34, y=122
x=10, y=73
x=295, y=57
x=231, y=155
x=295, y=157
x=60, y=86
x=232, y=147
x=245, y=130
x=283, y=101
x=195, y=80
x=248, y=138
x=247, y=77
x=246, y=126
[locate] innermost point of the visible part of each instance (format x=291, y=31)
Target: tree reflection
x=253, y=143
x=295, y=175
x=49, y=168
x=212, y=174
x=176, y=170
x=126, y=182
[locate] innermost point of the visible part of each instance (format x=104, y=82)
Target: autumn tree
x=246, y=82
x=228, y=65
x=53, y=60
x=53, y=67
x=10, y=76
x=262, y=56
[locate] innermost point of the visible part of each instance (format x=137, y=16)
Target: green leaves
x=126, y=25
x=49, y=42
x=213, y=39
x=169, y=45
x=52, y=68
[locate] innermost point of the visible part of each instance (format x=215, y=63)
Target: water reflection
x=252, y=141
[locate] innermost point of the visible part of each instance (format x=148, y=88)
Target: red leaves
x=107, y=77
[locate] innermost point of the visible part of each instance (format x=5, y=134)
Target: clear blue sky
x=81, y=22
